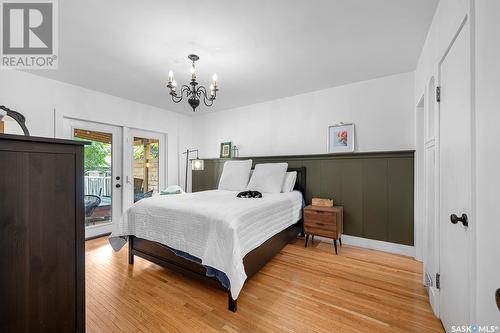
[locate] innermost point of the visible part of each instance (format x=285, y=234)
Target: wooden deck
x=301, y=290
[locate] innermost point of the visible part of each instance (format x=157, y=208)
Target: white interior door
x=455, y=179
x=102, y=173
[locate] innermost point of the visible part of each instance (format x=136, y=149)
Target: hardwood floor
x=301, y=290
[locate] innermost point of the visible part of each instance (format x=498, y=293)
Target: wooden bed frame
x=253, y=261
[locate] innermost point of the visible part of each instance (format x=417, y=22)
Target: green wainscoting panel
x=400, y=207
x=375, y=198
x=376, y=189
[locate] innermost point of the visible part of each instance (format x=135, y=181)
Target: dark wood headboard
x=300, y=182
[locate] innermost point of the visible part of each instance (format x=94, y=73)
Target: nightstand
x=324, y=221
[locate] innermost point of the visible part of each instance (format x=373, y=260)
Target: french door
x=103, y=166
x=145, y=164
x=455, y=183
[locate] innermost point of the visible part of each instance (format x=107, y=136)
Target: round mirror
x=12, y=122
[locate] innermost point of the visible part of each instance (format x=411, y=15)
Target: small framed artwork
x=341, y=138
x=225, y=150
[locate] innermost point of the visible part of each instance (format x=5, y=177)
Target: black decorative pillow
x=249, y=194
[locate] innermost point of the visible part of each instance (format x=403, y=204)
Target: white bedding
x=214, y=226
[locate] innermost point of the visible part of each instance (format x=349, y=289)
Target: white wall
x=382, y=110
x=488, y=158
x=36, y=98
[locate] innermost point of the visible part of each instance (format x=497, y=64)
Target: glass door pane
x=98, y=175
x=146, y=167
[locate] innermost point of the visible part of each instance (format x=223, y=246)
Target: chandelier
x=193, y=92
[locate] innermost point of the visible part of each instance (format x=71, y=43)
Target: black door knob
x=118, y=186
x=455, y=219
x=118, y=178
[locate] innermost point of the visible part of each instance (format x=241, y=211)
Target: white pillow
x=173, y=188
x=289, y=182
x=268, y=177
x=235, y=175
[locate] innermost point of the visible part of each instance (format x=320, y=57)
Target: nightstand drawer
x=321, y=219
x=318, y=224
x=320, y=231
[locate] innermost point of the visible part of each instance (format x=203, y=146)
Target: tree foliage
x=139, y=151
x=97, y=157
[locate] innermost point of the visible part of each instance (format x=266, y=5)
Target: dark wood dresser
x=42, y=250
x=324, y=221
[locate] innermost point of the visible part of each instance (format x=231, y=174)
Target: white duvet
x=214, y=226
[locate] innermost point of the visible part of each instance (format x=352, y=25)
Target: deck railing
x=94, y=184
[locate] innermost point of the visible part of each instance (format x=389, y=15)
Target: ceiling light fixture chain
x=193, y=92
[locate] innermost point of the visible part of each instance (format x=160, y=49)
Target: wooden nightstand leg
x=307, y=238
x=312, y=239
x=335, y=245
x=340, y=241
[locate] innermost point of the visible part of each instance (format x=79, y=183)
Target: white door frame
x=419, y=213
x=128, y=184
x=431, y=144
x=69, y=124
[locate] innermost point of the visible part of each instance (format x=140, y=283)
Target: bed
x=212, y=235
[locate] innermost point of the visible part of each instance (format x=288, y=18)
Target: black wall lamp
x=196, y=164
x=19, y=118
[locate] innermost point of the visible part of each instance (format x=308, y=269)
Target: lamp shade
x=197, y=165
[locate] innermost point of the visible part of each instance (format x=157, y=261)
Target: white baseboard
x=433, y=299
x=98, y=229
x=372, y=244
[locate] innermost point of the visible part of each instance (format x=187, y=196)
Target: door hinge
x=438, y=94
x=438, y=281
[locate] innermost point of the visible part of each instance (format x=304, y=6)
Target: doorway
x=102, y=173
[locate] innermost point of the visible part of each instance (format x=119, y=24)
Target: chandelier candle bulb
x=193, y=73
x=170, y=76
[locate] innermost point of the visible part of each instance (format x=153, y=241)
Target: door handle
x=455, y=219
x=118, y=186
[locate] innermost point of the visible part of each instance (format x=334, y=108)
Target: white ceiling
x=260, y=49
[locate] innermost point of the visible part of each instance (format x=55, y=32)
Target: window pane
x=97, y=175
x=145, y=167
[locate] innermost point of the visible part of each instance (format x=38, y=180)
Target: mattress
x=214, y=226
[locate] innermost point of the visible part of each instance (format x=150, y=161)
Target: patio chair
x=138, y=185
x=91, y=203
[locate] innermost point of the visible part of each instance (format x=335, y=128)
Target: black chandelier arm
x=209, y=103
x=202, y=92
x=176, y=98
x=179, y=97
x=212, y=97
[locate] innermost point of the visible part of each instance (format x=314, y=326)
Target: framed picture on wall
x=341, y=138
x=225, y=150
